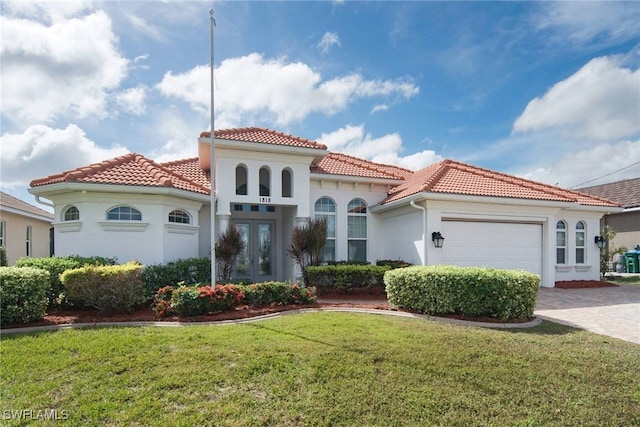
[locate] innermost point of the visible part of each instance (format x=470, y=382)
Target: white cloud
x=63, y=69
x=145, y=27
x=589, y=22
x=609, y=161
x=133, y=100
x=600, y=102
x=353, y=140
x=380, y=107
x=41, y=151
x=252, y=89
x=328, y=40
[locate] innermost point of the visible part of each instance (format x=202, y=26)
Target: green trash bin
x=631, y=262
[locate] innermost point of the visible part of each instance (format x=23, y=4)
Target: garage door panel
x=493, y=244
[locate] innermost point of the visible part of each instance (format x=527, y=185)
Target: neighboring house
x=626, y=224
x=24, y=229
x=268, y=182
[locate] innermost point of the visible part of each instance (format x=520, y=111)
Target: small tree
x=307, y=243
x=230, y=244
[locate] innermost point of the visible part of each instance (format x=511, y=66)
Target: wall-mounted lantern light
x=600, y=242
x=437, y=239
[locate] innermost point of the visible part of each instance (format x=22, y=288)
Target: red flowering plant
x=162, y=301
x=199, y=300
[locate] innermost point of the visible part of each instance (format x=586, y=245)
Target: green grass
x=323, y=369
x=627, y=280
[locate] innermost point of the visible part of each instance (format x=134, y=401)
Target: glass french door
x=256, y=263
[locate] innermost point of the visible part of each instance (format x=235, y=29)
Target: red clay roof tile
x=263, y=136
x=342, y=164
x=625, y=192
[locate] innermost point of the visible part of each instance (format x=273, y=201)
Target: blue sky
x=545, y=90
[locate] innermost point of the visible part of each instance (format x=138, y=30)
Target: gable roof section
x=263, y=136
x=452, y=177
x=625, y=192
x=11, y=202
x=342, y=164
x=131, y=169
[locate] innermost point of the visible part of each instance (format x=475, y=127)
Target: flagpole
x=212, y=175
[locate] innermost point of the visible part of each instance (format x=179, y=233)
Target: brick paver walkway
x=611, y=311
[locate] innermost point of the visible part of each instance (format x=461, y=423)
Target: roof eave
x=27, y=214
x=67, y=187
x=265, y=147
x=493, y=200
x=352, y=178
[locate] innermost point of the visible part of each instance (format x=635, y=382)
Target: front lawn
x=323, y=369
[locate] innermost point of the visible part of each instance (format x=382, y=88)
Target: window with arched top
x=178, y=216
x=326, y=208
x=561, y=242
x=241, y=180
x=287, y=183
x=581, y=229
x=265, y=181
x=357, y=230
x=71, y=214
x=124, y=213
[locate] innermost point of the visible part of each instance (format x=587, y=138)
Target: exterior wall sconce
x=600, y=242
x=437, y=239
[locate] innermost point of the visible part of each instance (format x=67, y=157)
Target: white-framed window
x=561, y=242
x=241, y=180
x=264, y=176
x=3, y=228
x=287, y=183
x=178, y=216
x=28, y=241
x=580, y=242
x=326, y=208
x=357, y=230
x=71, y=214
x=124, y=213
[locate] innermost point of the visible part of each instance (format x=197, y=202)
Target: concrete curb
x=530, y=324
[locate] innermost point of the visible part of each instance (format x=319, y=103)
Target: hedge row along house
x=268, y=182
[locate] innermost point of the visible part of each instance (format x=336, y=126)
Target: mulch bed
x=579, y=284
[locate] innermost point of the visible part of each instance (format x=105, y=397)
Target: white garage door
x=493, y=244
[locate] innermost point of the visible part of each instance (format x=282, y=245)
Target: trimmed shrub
x=189, y=271
x=394, y=263
x=112, y=288
x=278, y=293
x=346, y=277
x=199, y=300
x=58, y=265
x=3, y=257
x=470, y=291
x=23, y=294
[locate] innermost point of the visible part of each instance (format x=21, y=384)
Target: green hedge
x=470, y=291
x=269, y=293
x=23, y=294
x=58, y=265
x=113, y=288
x=198, y=300
x=189, y=271
x=346, y=277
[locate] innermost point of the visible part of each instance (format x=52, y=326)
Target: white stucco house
x=268, y=182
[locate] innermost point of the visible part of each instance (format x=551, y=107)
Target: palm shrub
x=230, y=244
x=307, y=243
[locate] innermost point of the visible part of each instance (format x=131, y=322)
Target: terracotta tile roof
x=263, y=136
x=342, y=164
x=131, y=169
x=625, y=192
x=9, y=201
x=452, y=177
x=190, y=169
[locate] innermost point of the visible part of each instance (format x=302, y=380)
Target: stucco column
x=222, y=223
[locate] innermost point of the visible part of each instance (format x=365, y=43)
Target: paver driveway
x=611, y=311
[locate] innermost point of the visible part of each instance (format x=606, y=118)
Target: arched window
x=561, y=242
x=179, y=217
x=71, y=214
x=357, y=230
x=580, y=240
x=287, y=183
x=326, y=208
x=265, y=181
x=241, y=180
x=124, y=213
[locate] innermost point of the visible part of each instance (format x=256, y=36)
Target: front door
x=257, y=262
